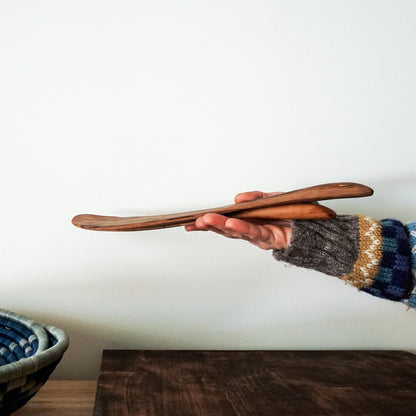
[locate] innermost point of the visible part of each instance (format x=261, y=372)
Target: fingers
x=252, y=195
x=248, y=196
x=265, y=236
x=216, y=223
x=207, y=222
x=192, y=227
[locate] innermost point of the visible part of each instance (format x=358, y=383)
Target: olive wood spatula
x=294, y=205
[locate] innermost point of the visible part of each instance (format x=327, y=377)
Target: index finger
x=252, y=195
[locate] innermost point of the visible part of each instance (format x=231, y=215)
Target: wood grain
x=62, y=398
x=154, y=222
x=296, y=203
x=256, y=383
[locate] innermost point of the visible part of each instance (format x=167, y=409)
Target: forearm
x=374, y=256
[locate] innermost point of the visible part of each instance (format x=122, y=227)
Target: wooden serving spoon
x=289, y=205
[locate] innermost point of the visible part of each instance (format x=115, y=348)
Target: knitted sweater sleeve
x=378, y=257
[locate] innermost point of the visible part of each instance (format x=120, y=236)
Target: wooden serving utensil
x=153, y=222
x=286, y=206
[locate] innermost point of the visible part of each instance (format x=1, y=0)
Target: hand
x=267, y=235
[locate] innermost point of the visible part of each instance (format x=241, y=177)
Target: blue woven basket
x=29, y=352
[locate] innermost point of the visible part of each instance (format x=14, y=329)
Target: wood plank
x=62, y=398
x=256, y=383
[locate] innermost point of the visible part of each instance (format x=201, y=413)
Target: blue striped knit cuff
x=393, y=280
x=411, y=231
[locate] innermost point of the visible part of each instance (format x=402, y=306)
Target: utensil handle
x=311, y=194
x=285, y=212
x=292, y=206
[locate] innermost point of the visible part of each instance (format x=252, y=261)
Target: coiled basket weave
x=29, y=352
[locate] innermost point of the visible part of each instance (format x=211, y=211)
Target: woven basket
x=29, y=352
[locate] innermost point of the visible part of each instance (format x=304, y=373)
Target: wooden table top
x=256, y=383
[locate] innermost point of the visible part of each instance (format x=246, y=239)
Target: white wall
x=145, y=107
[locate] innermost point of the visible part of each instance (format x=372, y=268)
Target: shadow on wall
x=88, y=339
x=319, y=331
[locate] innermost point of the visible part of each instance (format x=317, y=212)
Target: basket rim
x=32, y=364
x=37, y=329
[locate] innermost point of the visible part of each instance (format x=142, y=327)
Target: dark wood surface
x=254, y=383
x=293, y=198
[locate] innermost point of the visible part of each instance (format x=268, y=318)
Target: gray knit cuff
x=328, y=246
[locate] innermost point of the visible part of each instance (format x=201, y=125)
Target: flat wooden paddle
x=289, y=205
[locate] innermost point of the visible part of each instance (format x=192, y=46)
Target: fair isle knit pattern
x=393, y=280
x=377, y=257
x=369, y=254
x=411, y=231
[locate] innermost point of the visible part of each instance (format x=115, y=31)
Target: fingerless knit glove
x=378, y=257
